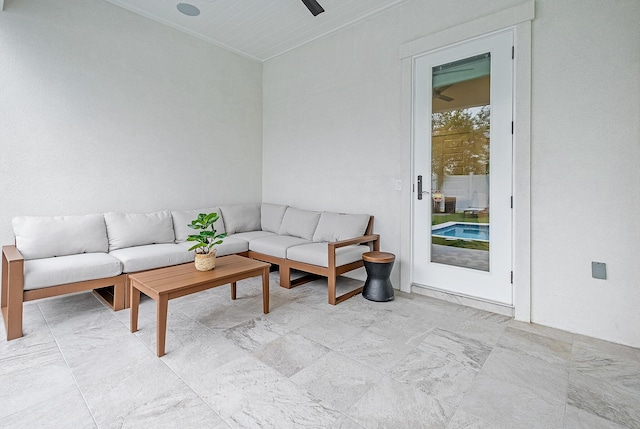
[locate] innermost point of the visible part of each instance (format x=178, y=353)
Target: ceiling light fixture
x=313, y=6
x=188, y=9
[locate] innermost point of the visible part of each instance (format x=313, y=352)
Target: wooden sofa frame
x=14, y=295
x=331, y=272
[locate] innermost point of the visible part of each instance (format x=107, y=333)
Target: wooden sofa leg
x=12, y=298
x=332, y=290
x=119, y=294
x=285, y=275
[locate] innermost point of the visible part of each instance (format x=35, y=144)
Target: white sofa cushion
x=42, y=273
x=138, y=229
x=299, y=223
x=183, y=218
x=338, y=226
x=276, y=245
x=229, y=246
x=241, y=218
x=141, y=258
x=271, y=217
x=44, y=237
x=252, y=235
x=318, y=254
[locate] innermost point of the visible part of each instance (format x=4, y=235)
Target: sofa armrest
x=372, y=238
x=11, y=254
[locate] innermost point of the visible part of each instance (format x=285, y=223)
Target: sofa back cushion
x=338, y=226
x=138, y=229
x=183, y=218
x=271, y=217
x=299, y=223
x=44, y=237
x=241, y=218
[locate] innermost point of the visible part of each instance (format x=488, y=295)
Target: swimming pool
x=462, y=231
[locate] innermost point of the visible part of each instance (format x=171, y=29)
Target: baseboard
x=494, y=307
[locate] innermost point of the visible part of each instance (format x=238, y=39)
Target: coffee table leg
x=233, y=290
x=265, y=290
x=161, y=316
x=134, y=300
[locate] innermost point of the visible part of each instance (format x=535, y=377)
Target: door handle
x=420, y=191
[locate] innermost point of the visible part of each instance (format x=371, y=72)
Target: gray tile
x=410, y=363
x=45, y=383
x=391, y=404
x=402, y=327
x=249, y=394
x=576, y=418
x=609, y=366
x=494, y=403
x=253, y=333
x=375, y=351
x=70, y=305
x=290, y=353
x=337, y=381
x=294, y=315
x=544, y=378
x=539, y=346
x=435, y=375
x=545, y=331
x=329, y=331
x=607, y=400
x=455, y=347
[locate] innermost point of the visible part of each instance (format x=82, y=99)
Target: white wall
x=333, y=140
x=104, y=110
x=585, y=148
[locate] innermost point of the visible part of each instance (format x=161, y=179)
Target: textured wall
x=104, y=110
x=585, y=153
x=333, y=140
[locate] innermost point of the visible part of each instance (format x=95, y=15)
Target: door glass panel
x=460, y=164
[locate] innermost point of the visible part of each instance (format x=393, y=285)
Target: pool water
x=463, y=231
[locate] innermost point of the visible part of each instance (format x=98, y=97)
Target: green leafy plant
x=207, y=238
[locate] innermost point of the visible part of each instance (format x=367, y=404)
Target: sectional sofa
x=65, y=254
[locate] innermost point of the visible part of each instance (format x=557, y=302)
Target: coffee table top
x=174, y=278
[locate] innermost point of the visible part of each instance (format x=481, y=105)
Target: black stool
x=378, y=286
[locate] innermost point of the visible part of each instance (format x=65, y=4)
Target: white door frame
x=519, y=18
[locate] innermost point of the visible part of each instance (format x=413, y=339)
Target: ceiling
x=259, y=29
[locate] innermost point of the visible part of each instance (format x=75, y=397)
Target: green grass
x=464, y=244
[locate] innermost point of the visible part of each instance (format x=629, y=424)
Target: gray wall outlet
x=599, y=270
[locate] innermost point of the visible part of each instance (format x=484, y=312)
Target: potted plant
x=206, y=239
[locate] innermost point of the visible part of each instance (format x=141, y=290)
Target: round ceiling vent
x=188, y=9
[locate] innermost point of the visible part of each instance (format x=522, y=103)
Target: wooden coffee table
x=173, y=282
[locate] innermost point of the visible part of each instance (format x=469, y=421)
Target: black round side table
x=378, y=286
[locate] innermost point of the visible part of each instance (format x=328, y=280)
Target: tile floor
x=415, y=362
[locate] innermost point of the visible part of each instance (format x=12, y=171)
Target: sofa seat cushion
x=229, y=246
x=253, y=235
x=318, y=254
x=276, y=245
x=46, y=237
x=42, y=273
x=141, y=258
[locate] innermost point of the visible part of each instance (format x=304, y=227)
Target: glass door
x=462, y=160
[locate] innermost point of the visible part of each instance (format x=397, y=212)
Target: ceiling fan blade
x=313, y=6
x=445, y=98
